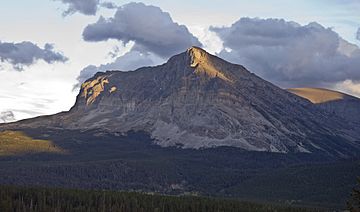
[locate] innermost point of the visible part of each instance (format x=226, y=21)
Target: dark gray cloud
x=148, y=26
x=358, y=34
x=7, y=116
x=86, y=7
x=288, y=53
x=130, y=61
x=27, y=53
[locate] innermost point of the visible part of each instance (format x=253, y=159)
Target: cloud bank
x=149, y=27
x=283, y=52
x=27, y=53
x=7, y=116
x=289, y=54
x=129, y=61
x=349, y=86
x=154, y=34
x=358, y=34
x=86, y=7
x=109, y=5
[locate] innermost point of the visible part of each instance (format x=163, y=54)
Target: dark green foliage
x=354, y=202
x=42, y=199
x=98, y=160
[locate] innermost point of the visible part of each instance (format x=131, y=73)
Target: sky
x=49, y=47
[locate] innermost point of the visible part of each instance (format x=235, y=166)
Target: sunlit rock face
x=203, y=65
x=334, y=102
x=92, y=89
x=197, y=100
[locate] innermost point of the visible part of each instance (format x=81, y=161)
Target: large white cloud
x=358, y=34
x=290, y=54
x=27, y=53
x=149, y=27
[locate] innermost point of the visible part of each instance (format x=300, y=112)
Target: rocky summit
x=197, y=100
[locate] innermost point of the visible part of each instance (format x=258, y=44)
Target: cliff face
x=197, y=100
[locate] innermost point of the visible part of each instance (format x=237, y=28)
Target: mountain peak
x=205, y=64
x=196, y=49
x=197, y=55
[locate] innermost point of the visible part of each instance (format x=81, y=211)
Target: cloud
x=153, y=34
x=7, y=116
x=290, y=54
x=210, y=41
x=149, y=27
x=349, y=86
x=358, y=34
x=109, y=5
x=86, y=7
x=27, y=53
x=129, y=61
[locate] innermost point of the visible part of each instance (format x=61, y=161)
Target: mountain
x=334, y=102
x=195, y=125
x=197, y=100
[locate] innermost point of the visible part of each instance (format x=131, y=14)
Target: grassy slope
x=16, y=142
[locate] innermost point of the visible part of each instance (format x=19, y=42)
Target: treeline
x=353, y=205
x=14, y=198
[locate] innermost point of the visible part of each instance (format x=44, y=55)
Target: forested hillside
x=95, y=160
x=41, y=199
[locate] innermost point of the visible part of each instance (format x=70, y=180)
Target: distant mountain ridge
x=321, y=95
x=334, y=102
x=197, y=100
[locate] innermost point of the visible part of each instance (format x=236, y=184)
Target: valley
x=97, y=160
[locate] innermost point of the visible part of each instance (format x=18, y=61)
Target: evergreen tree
x=354, y=202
